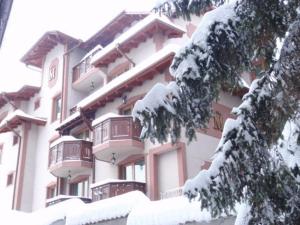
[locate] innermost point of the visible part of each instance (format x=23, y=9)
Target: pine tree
x=251, y=164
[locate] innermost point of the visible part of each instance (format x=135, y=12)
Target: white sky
x=30, y=19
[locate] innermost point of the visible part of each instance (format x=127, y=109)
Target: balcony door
x=134, y=171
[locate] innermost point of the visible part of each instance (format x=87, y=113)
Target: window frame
x=132, y=163
x=54, y=116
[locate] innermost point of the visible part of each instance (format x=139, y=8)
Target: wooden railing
x=83, y=67
x=116, y=128
x=58, y=199
x=115, y=188
x=70, y=150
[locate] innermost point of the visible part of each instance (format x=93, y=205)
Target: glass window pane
x=139, y=170
x=128, y=173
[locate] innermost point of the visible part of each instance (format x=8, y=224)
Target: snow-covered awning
x=14, y=119
x=134, y=35
x=133, y=77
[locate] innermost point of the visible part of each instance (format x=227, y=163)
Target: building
x=74, y=135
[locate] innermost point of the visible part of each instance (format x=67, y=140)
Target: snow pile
x=55, y=212
x=170, y=211
x=147, y=63
x=133, y=31
x=13, y=217
x=107, y=209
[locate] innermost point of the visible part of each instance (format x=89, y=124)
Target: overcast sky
x=30, y=19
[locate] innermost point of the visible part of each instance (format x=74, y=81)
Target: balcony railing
x=61, y=198
x=114, y=188
x=70, y=150
x=116, y=128
x=84, y=66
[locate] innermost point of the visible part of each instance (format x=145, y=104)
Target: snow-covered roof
x=15, y=118
x=47, y=216
x=64, y=138
x=169, y=211
x=132, y=73
x=74, y=116
x=107, y=209
x=106, y=116
x=128, y=35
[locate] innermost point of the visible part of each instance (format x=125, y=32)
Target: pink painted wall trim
x=153, y=166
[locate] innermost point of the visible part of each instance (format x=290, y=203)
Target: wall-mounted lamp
x=92, y=85
x=124, y=99
x=69, y=175
x=113, y=159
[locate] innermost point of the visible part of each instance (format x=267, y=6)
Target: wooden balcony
x=118, y=135
x=85, y=75
x=61, y=198
x=114, y=188
x=70, y=157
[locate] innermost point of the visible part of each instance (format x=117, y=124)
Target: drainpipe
x=123, y=54
x=17, y=166
x=65, y=80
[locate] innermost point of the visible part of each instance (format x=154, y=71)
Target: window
x=10, y=178
x=134, y=171
x=52, y=73
x=56, y=108
x=79, y=188
x=15, y=139
x=37, y=103
x=51, y=191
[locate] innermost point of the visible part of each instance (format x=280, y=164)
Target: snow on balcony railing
x=175, y=192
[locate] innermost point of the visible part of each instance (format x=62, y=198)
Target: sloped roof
x=35, y=56
x=107, y=33
x=135, y=35
x=24, y=94
x=14, y=119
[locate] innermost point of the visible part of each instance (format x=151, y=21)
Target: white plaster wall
x=105, y=170
x=167, y=171
x=8, y=165
x=29, y=170
x=42, y=175
x=199, y=151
